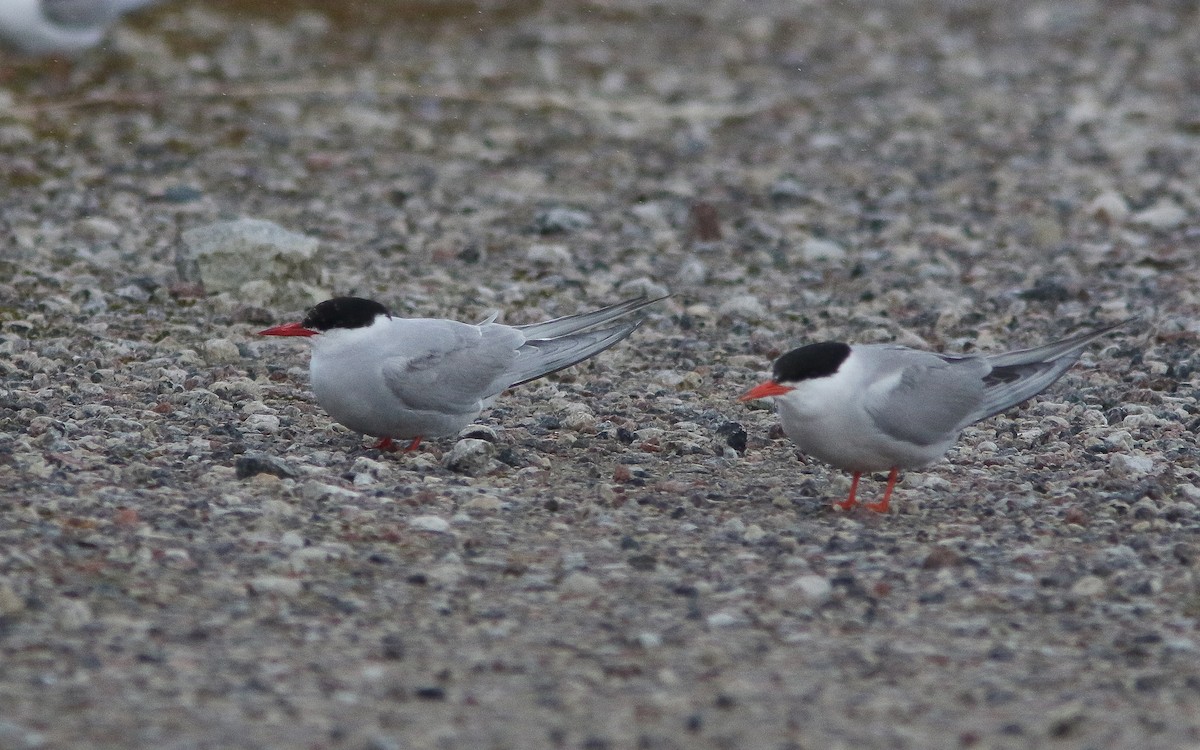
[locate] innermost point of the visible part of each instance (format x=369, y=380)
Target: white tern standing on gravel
x=411, y=378
x=878, y=407
x=69, y=27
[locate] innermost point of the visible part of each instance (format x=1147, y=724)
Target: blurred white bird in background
x=59, y=27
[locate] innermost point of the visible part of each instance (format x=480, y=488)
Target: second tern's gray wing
x=921, y=397
x=450, y=367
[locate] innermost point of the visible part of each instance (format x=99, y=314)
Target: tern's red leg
x=416, y=443
x=882, y=505
x=849, y=502
x=384, y=444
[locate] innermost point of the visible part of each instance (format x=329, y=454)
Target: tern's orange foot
x=846, y=504
x=414, y=445
x=879, y=507
x=384, y=444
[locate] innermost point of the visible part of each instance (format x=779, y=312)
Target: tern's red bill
x=289, y=329
x=764, y=390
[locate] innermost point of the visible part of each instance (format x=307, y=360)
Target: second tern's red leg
x=882, y=505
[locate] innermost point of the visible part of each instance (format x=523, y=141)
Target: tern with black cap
x=876, y=407
x=412, y=378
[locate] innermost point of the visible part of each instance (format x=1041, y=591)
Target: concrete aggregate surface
x=193, y=555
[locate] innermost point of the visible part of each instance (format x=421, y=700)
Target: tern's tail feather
x=572, y=323
x=1021, y=375
x=538, y=357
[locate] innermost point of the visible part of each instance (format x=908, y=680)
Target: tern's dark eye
x=343, y=312
x=811, y=361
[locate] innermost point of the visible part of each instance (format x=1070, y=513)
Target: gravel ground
x=193, y=556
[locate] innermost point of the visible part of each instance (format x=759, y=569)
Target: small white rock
x=814, y=250
x=264, y=423
x=1130, y=465
x=745, y=306
x=753, y=533
x=1166, y=214
x=813, y=588
x=470, y=456
x=1089, y=586
x=549, y=256
x=725, y=619
x=436, y=524
x=580, y=583
x=221, y=351
x=281, y=585
x=1110, y=206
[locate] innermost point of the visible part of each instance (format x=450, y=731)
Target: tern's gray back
x=449, y=366
x=921, y=397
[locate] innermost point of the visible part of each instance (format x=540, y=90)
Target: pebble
x=580, y=583
x=436, y=524
x=264, y=423
x=814, y=250
x=221, y=351
x=1089, y=586
x=549, y=256
x=228, y=254
x=253, y=464
x=280, y=585
x=726, y=619
x=470, y=456
x=484, y=503
x=560, y=219
x=1109, y=206
x=742, y=306
x=1166, y=214
x=1124, y=464
x=814, y=588
x=10, y=602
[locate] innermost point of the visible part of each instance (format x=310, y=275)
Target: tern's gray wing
x=921, y=397
x=449, y=367
x=1019, y=376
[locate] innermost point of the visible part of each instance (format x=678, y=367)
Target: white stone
x=436, y=524
x=221, y=351
x=550, y=256
x=281, y=585
x=745, y=306
x=264, y=423
x=813, y=588
x=1130, y=465
x=1089, y=586
x=229, y=254
x=1166, y=214
x=470, y=456
x=1110, y=206
x=580, y=583
x=814, y=249
x=753, y=533
x=725, y=619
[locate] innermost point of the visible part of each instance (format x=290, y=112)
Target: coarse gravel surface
x=192, y=555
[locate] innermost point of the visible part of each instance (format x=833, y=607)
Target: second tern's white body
x=878, y=407
x=887, y=406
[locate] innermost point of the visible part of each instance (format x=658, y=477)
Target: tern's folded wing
x=925, y=401
x=452, y=367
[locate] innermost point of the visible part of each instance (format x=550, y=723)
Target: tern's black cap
x=811, y=361
x=343, y=312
